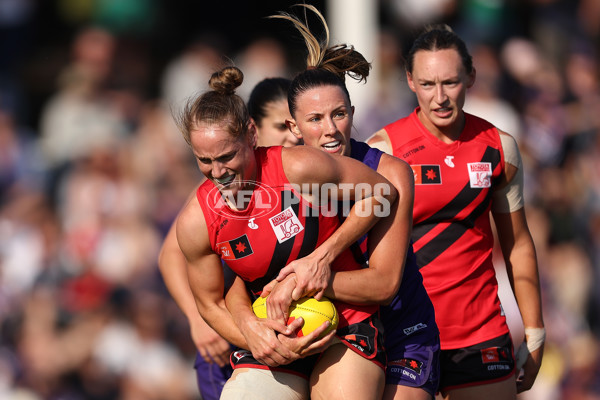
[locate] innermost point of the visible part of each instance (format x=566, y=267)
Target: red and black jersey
x=277, y=227
x=452, y=235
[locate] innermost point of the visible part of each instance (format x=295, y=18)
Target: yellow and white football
x=314, y=312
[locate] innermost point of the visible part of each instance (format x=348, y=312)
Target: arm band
x=534, y=338
x=510, y=198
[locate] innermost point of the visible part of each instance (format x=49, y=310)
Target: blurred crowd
x=93, y=172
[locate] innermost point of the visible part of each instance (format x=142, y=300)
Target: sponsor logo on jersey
x=427, y=174
x=286, y=225
x=408, y=363
x=412, y=329
x=221, y=226
x=252, y=224
x=235, y=249
x=495, y=355
x=480, y=174
x=449, y=162
x=413, y=151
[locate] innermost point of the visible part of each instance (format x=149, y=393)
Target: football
x=314, y=312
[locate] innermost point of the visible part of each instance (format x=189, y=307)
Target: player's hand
x=310, y=344
x=530, y=370
x=280, y=298
x=312, y=276
x=211, y=346
x=262, y=338
x=268, y=288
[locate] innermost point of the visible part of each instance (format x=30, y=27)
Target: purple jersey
x=410, y=317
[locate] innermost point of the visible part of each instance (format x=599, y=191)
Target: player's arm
x=520, y=257
x=205, y=272
x=348, y=179
x=173, y=267
x=351, y=180
x=388, y=243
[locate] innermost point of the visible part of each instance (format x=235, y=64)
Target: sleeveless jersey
x=410, y=317
x=452, y=235
x=277, y=227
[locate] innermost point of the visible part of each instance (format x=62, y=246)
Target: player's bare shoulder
x=380, y=140
x=192, y=231
x=396, y=171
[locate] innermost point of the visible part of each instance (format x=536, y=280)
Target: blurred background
x=93, y=171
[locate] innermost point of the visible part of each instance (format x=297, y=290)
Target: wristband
x=535, y=338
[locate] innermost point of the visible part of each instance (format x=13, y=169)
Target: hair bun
x=226, y=80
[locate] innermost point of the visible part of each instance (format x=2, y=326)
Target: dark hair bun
x=226, y=80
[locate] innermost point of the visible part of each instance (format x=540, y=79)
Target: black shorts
x=364, y=338
x=486, y=362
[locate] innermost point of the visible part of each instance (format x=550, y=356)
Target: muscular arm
x=519, y=254
x=346, y=176
x=205, y=273
x=388, y=243
x=515, y=239
x=173, y=267
x=521, y=265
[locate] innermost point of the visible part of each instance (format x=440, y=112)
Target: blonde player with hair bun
x=227, y=221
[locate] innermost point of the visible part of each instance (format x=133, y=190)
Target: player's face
x=440, y=81
x=272, y=130
x=226, y=160
x=323, y=119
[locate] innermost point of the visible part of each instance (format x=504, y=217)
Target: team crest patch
x=286, y=225
x=427, y=174
x=239, y=354
x=414, y=365
x=361, y=342
x=495, y=355
x=235, y=249
x=480, y=174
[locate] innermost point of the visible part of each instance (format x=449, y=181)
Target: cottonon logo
x=286, y=225
x=480, y=174
x=413, y=151
x=409, y=363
